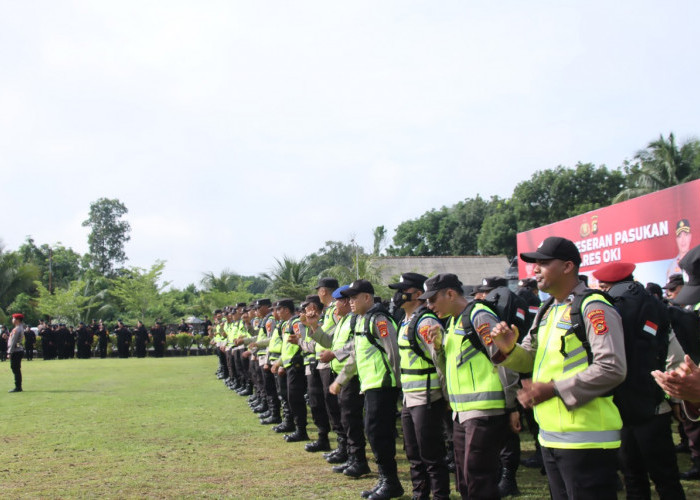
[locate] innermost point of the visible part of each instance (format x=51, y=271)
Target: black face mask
x=400, y=298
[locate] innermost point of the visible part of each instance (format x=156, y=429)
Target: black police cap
x=357, y=287
x=331, y=283
x=554, y=247
x=409, y=280
x=287, y=303
x=440, y=282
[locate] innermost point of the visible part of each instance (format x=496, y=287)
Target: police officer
x=123, y=339
x=339, y=343
x=158, y=338
x=291, y=365
x=647, y=445
x=266, y=329
x=482, y=398
x=376, y=361
x=274, y=353
x=29, y=342
x=102, y=339
x=140, y=340
x=579, y=423
x=84, y=339
x=422, y=369
x=15, y=350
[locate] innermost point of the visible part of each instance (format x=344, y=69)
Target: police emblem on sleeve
x=597, y=319
x=383, y=328
x=295, y=327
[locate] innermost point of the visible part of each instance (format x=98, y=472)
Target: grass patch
x=163, y=428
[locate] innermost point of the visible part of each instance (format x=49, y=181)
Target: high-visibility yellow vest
x=596, y=424
x=263, y=333
x=341, y=336
x=327, y=322
x=418, y=371
x=372, y=361
x=274, y=349
x=291, y=353
x=472, y=380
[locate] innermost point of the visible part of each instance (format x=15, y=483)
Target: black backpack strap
x=369, y=318
x=578, y=326
x=412, y=330
x=469, y=331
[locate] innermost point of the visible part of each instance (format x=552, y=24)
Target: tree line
x=53, y=281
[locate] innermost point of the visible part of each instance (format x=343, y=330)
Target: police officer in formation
x=123, y=339
x=453, y=354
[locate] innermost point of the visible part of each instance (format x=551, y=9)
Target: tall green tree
x=66, y=305
x=108, y=235
x=662, y=164
x=556, y=194
x=16, y=277
x=138, y=293
x=334, y=253
x=57, y=264
x=498, y=232
x=379, y=234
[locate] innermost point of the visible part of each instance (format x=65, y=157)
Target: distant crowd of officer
x=466, y=379
x=59, y=341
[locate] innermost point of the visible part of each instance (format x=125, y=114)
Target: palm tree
x=226, y=281
x=290, y=278
x=661, y=165
x=15, y=277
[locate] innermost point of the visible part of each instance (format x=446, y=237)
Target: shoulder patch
x=423, y=332
x=383, y=328
x=295, y=327
x=268, y=326
x=597, y=319
x=483, y=329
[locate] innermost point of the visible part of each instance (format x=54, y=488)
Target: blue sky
x=236, y=132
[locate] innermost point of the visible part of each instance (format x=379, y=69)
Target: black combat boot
x=16, y=389
x=694, y=471
x=340, y=468
x=390, y=488
x=359, y=467
x=247, y=390
x=380, y=483
x=535, y=461
x=321, y=444
x=340, y=454
x=298, y=435
x=287, y=424
x=508, y=485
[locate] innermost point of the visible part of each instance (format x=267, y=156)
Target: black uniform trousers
x=29, y=350
x=317, y=402
x=510, y=454
x=331, y=400
x=380, y=426
x=158, y=348
x=692, y=431
x=281, y=382
x=647, y=451
x=478, y=443
x=296, y=388
x=240, y=365
x=139, y=349
x=581, y=474
x=16, y=366
x=229, y=366
x=271, y=389
x=102, y=346
x=425, y=449
x=351, y=406
x=256, y=376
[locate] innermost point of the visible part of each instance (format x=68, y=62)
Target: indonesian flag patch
x=533, y=310
x=383, y=328
x=650, y=328
x=597, y=319
x=520, y=314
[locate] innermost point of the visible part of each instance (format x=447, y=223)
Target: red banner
x=653, y=231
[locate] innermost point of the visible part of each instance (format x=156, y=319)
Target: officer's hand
x=275, y=367
x=246, y=354
x=515, y=424
x=266, y=367
x=334, y=388
x=434, y=336
x=312, y=318
x=326, y=356
x=534, y=393
x=505, y=337
x=281, y=370
x=294, y=338
x=253, y=345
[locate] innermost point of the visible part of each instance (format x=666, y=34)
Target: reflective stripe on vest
x=472, y=381
x=595, y=424
x=291, y=353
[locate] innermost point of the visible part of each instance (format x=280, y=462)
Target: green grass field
x=161, y=428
